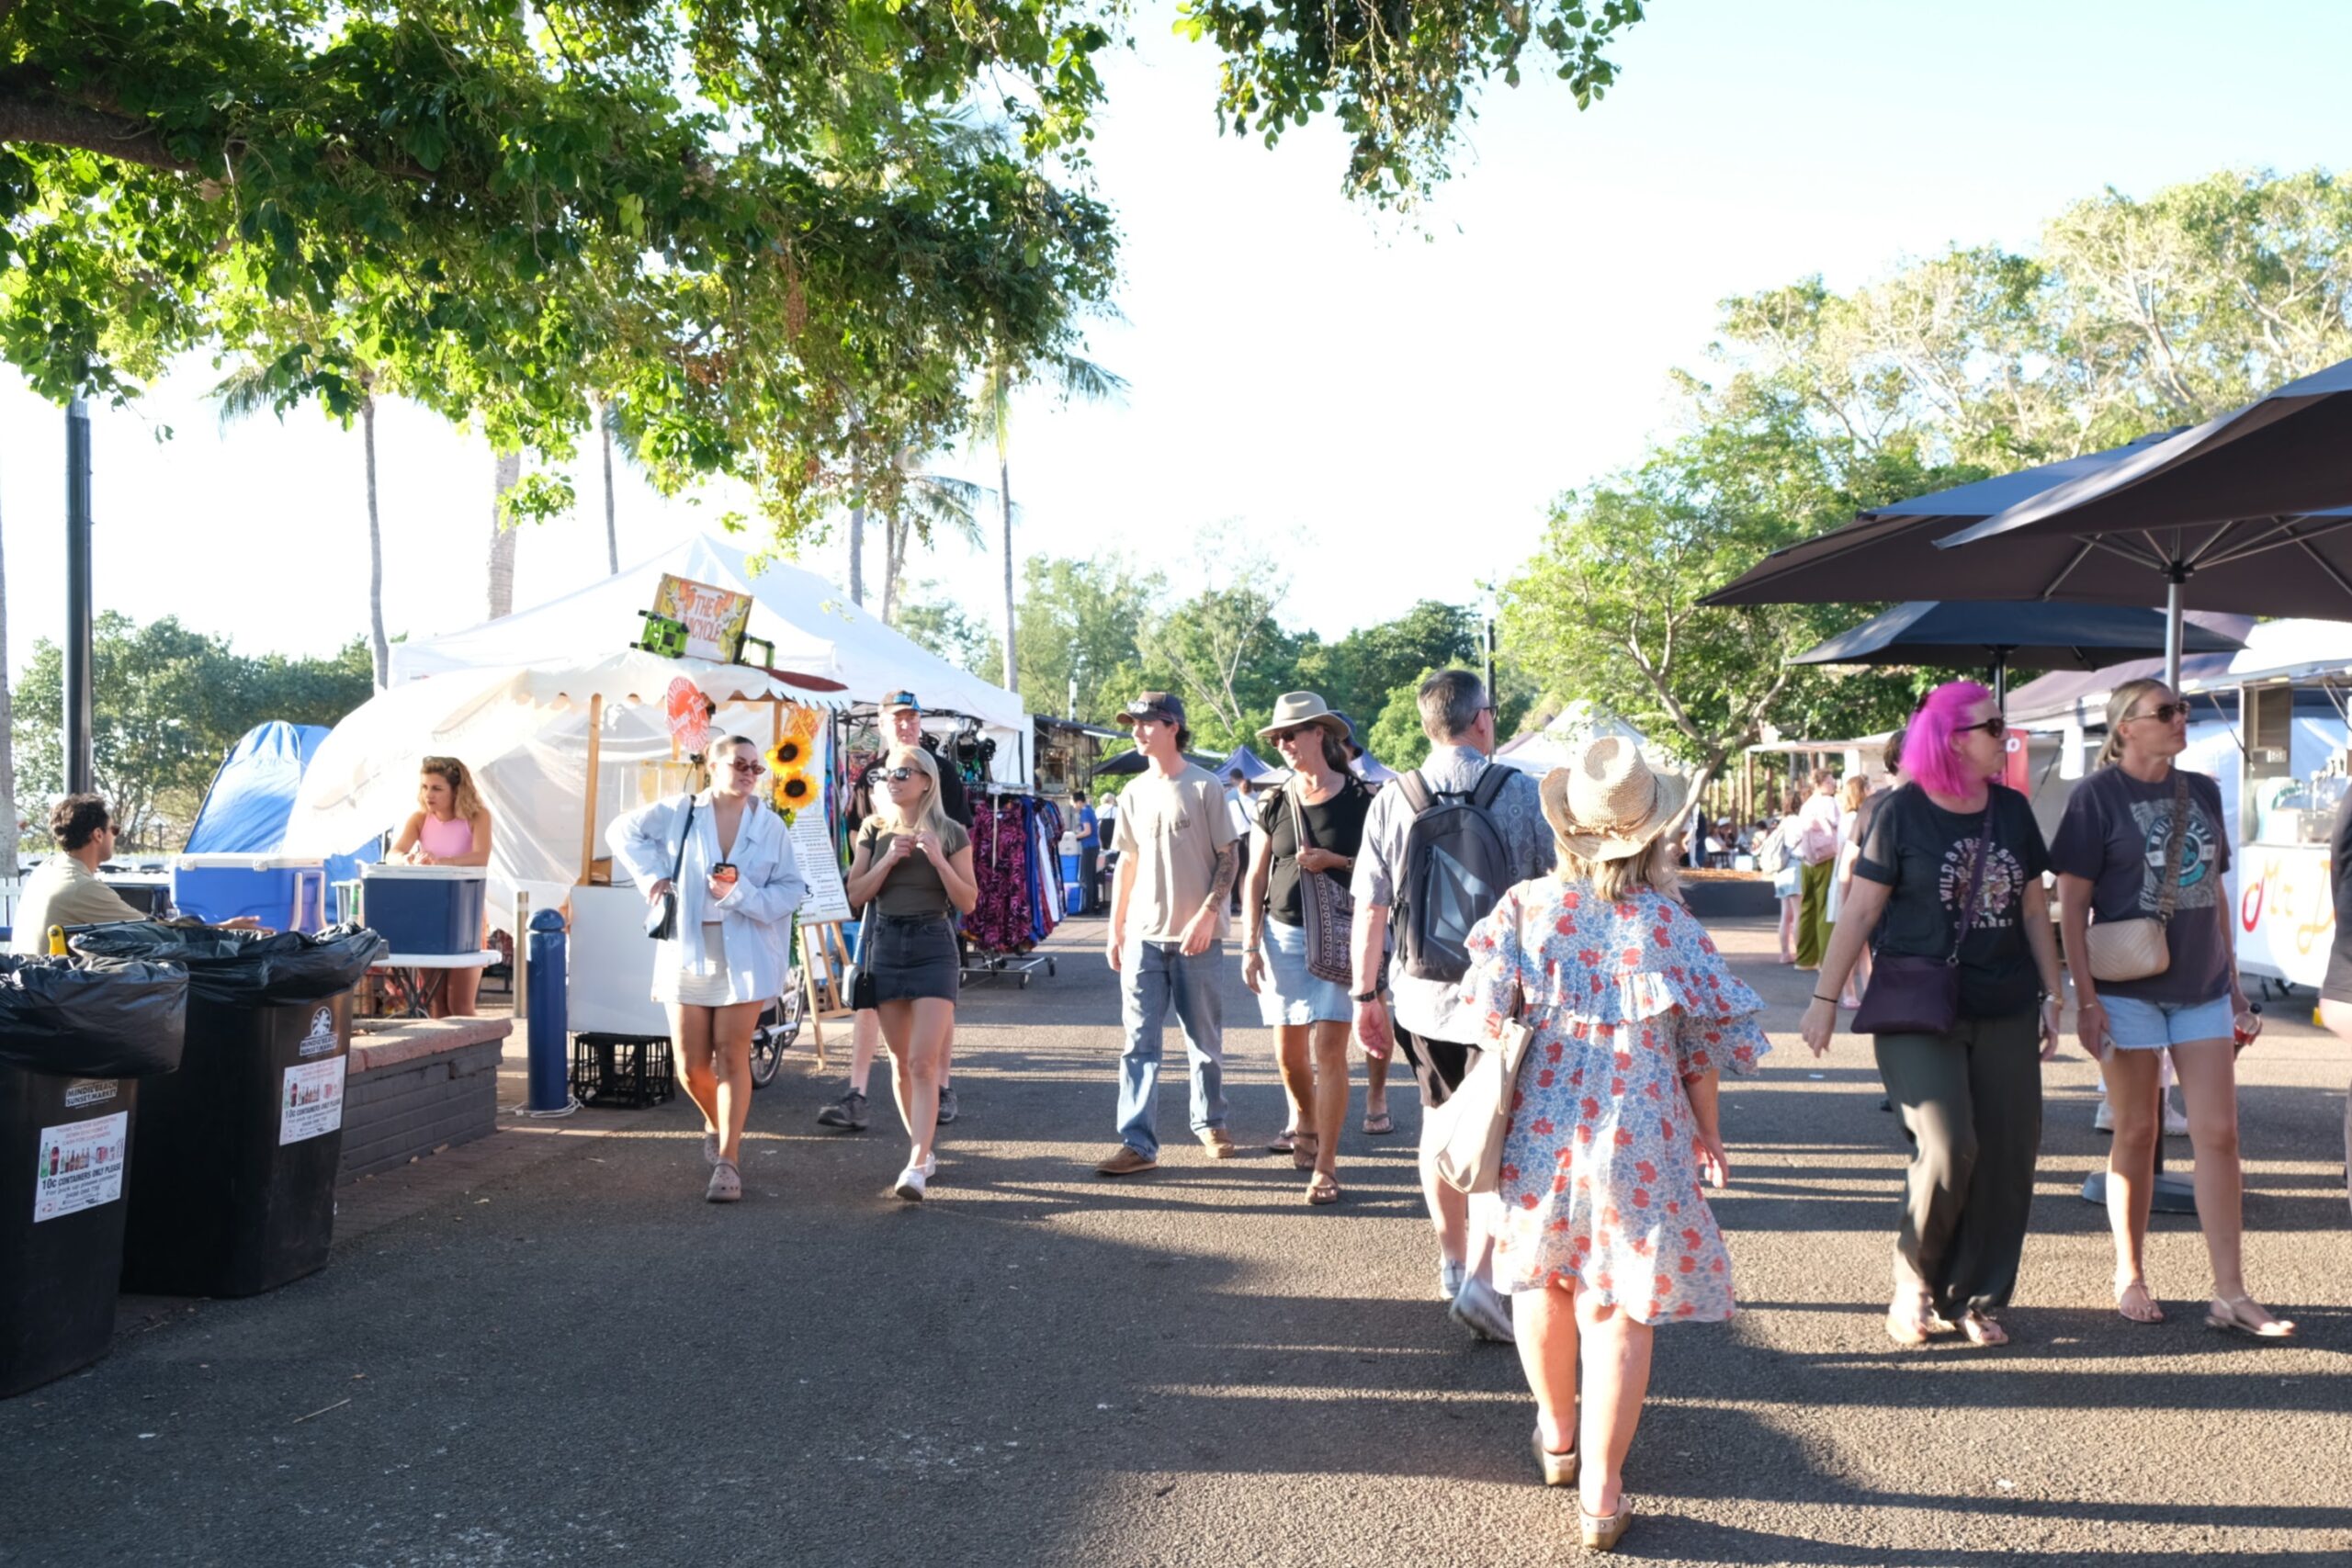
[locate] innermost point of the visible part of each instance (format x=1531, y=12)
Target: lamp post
x=78, y=680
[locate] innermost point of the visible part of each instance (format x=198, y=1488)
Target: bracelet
x=1820, y=997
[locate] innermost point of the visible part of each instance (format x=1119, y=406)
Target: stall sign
x=688, y=712
x=2286, y=908
x=80, y=1166
x=713, y=617
x=2016, y=766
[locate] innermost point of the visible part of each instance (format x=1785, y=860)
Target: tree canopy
x=781, y=236
x=169, y=704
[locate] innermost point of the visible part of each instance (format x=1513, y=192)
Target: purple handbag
x=1910, y=994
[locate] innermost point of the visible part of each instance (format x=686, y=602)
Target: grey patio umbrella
x=1890, y=553
x=2001, y=635
x=2251, y=511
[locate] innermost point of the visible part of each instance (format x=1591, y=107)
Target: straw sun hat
x=1607, y=803
x=1293, y=708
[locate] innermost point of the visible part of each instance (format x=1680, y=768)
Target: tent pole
x=588, y=808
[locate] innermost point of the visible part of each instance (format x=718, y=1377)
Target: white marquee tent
x=513, y=698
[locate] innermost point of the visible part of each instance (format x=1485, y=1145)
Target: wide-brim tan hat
x=1609, y=802
x=1295, y=708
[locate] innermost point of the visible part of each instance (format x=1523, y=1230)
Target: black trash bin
x=76, y=1038
x=238, y=1150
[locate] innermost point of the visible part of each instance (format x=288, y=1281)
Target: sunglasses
x=1294, y=732
x=900, y=775
x=2164, y=713
x=747, y=765
x=1995, y=727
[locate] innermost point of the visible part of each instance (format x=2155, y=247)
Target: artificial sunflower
x=788, y=754
x=794, y=791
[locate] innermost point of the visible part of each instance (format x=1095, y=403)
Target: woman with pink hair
x=1951, y=871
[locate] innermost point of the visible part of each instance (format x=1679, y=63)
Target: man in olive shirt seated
x=64, y=889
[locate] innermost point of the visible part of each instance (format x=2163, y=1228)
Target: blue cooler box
x=425, y=908
x=283, y=892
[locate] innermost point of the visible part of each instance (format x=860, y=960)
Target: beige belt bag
x=2136, y=948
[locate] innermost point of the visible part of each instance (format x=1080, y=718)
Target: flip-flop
x=1379, y=1126
x=1282, y=1145
x=1322, y=1189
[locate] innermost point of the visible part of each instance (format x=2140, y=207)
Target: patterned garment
x=1001, y=920
x=1600, y=1170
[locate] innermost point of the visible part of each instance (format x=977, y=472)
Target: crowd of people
x=1467, y=903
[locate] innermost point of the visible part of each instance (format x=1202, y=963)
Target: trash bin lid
x=248, y=863
x=425, y=872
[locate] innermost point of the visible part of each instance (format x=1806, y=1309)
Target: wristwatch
x=1365, y=997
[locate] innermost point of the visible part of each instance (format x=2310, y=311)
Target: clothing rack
x=1017, y=861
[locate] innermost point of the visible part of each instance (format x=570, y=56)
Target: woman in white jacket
x=738, y=885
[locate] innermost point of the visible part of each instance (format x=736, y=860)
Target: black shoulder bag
x=1910, y=994
x=662, y=915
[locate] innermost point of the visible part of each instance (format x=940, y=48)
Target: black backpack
x=1457, y=871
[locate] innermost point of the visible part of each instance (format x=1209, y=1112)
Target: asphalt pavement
x=579, y=1361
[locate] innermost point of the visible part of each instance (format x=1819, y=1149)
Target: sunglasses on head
x=1994, y=726
x=2164, y=713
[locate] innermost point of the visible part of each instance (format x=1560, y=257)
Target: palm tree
x=927, y=504
x=7, y=745
x=993, y=421
x=505, y=477
x=246, y=392
x=608, y=421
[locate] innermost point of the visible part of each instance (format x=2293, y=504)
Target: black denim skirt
x=912, y=956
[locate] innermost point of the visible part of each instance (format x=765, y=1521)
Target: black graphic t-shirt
x=1924, y=853
x=2113, y=837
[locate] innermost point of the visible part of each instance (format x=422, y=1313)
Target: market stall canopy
x=1558, y=743
x=1244, y=759
x=2275, y=650
x=2031, y=636
x=523, y=732
x=817, y=631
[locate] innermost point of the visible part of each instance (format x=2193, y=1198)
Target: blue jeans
x=1153, y=976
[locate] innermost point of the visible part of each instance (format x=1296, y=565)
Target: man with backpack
x=1440, y=847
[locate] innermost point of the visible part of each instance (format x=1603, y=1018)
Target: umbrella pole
x=588, y=809
x=2176, y=575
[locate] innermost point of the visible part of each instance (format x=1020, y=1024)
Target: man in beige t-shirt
x=1178, y=860
x=64, y=889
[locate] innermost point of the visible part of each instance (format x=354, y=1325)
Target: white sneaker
x=2175, y=1118
x=2105, y=1120
x=909, y=1182
x=1483, y=1310
x=1449, y=1280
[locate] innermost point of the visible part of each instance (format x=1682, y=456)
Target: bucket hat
x=1295, y=708
x=1609, y=802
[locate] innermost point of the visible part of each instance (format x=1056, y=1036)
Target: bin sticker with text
x=311, y=1103
x=80, y=1092
x=321, y=1040
x=81, y=1166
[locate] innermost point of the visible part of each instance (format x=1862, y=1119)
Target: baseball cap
x=898, y=699
x=1154, y=704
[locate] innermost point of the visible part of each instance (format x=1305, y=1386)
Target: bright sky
x=1391, y=407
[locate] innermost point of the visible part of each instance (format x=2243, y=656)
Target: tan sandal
x=1322, y=1188
x=1602, y=1534
x=2149, y=1312
x=1303, y=1149
x=2223, y=1314
x=1559, y=1469
x=1915, y=1323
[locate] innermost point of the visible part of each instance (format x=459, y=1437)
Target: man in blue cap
x=1179, y=858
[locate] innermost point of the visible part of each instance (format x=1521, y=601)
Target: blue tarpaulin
x=244, y=812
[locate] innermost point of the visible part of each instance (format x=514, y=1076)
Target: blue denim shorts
x=1291, y=993
x=2135, y=1025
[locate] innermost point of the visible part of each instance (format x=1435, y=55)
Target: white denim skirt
x=1289, y=994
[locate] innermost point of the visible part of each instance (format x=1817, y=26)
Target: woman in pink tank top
x=452, y=828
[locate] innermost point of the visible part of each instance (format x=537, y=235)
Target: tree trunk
x=509, y=473
x=894, y=565
x=612, y=524
x=7, y=745
x=857, y=562
x=377, y=644
x=1004, y=504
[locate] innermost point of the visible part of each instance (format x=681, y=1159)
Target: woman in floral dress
x=1613, y=1118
